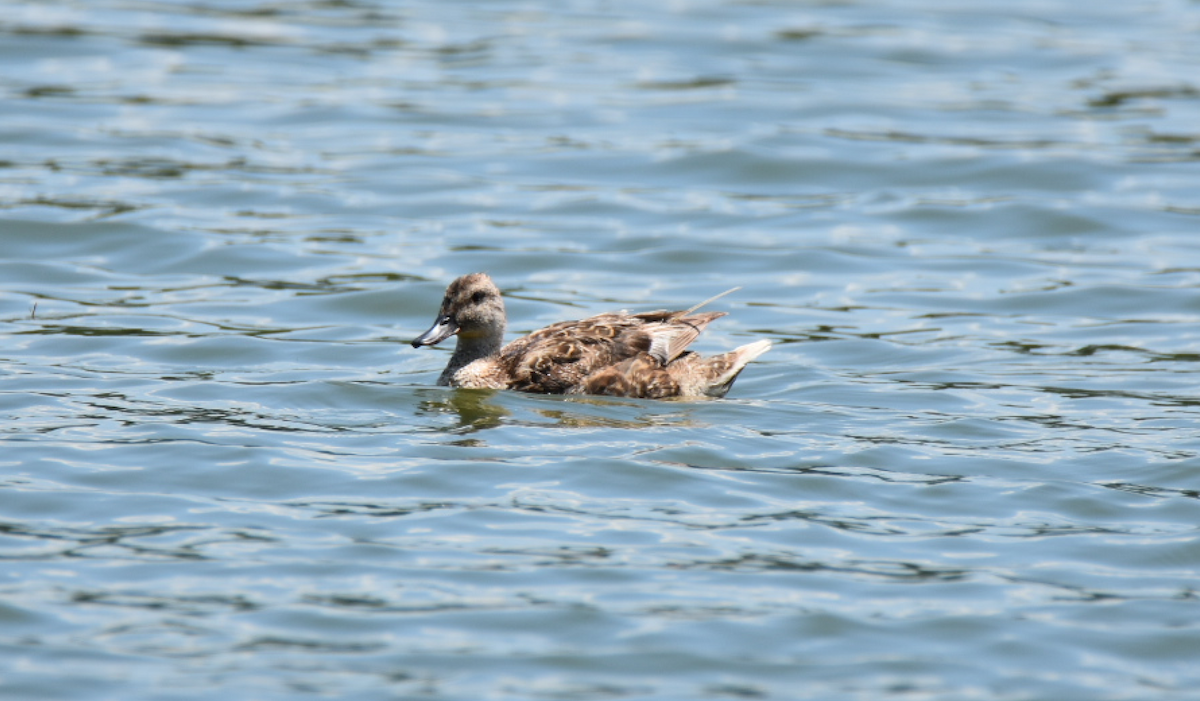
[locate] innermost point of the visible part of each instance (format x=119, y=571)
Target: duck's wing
x=689, y=376
x=670, y=336
x=554, y=359
x=558, y=358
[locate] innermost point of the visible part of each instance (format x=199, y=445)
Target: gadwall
x=616, y=354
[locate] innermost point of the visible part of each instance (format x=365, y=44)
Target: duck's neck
x=468, y=349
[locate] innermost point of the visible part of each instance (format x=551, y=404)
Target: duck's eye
x=479, y=296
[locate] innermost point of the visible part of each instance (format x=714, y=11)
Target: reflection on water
x=473, y=407
x=967, y=470
x=478, y=410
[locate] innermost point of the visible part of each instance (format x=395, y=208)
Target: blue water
x=968, y=469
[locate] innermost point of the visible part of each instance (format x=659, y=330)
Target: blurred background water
x=967, y=470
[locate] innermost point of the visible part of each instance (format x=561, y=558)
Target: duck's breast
x=485, y=373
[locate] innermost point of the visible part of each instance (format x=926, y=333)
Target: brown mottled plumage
x=617, y=354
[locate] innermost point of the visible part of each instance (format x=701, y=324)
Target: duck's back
x=557, y=359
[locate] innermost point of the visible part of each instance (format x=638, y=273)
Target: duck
x=615, y=354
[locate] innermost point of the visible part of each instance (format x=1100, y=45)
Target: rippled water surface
x=968, y=469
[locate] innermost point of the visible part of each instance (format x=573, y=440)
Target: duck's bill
x=442, y=329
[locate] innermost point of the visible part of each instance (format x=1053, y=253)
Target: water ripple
x=966, y=469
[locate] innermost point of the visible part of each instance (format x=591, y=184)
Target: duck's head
x=472, y=308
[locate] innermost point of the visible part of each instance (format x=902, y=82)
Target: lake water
x=968, y=469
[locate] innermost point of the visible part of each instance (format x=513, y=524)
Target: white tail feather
x=741, y=356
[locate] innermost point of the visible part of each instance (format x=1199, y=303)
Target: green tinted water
x=967, y=469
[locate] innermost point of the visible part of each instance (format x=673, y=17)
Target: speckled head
x=472, y=308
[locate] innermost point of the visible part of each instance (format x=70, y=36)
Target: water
x=968, y=469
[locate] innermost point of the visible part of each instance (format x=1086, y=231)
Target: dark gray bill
x=442, y=329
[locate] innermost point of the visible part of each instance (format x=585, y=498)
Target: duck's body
x=617, y=354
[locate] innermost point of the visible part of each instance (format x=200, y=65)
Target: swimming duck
x=617, y=354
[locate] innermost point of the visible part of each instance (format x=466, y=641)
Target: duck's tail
x=719, y=371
